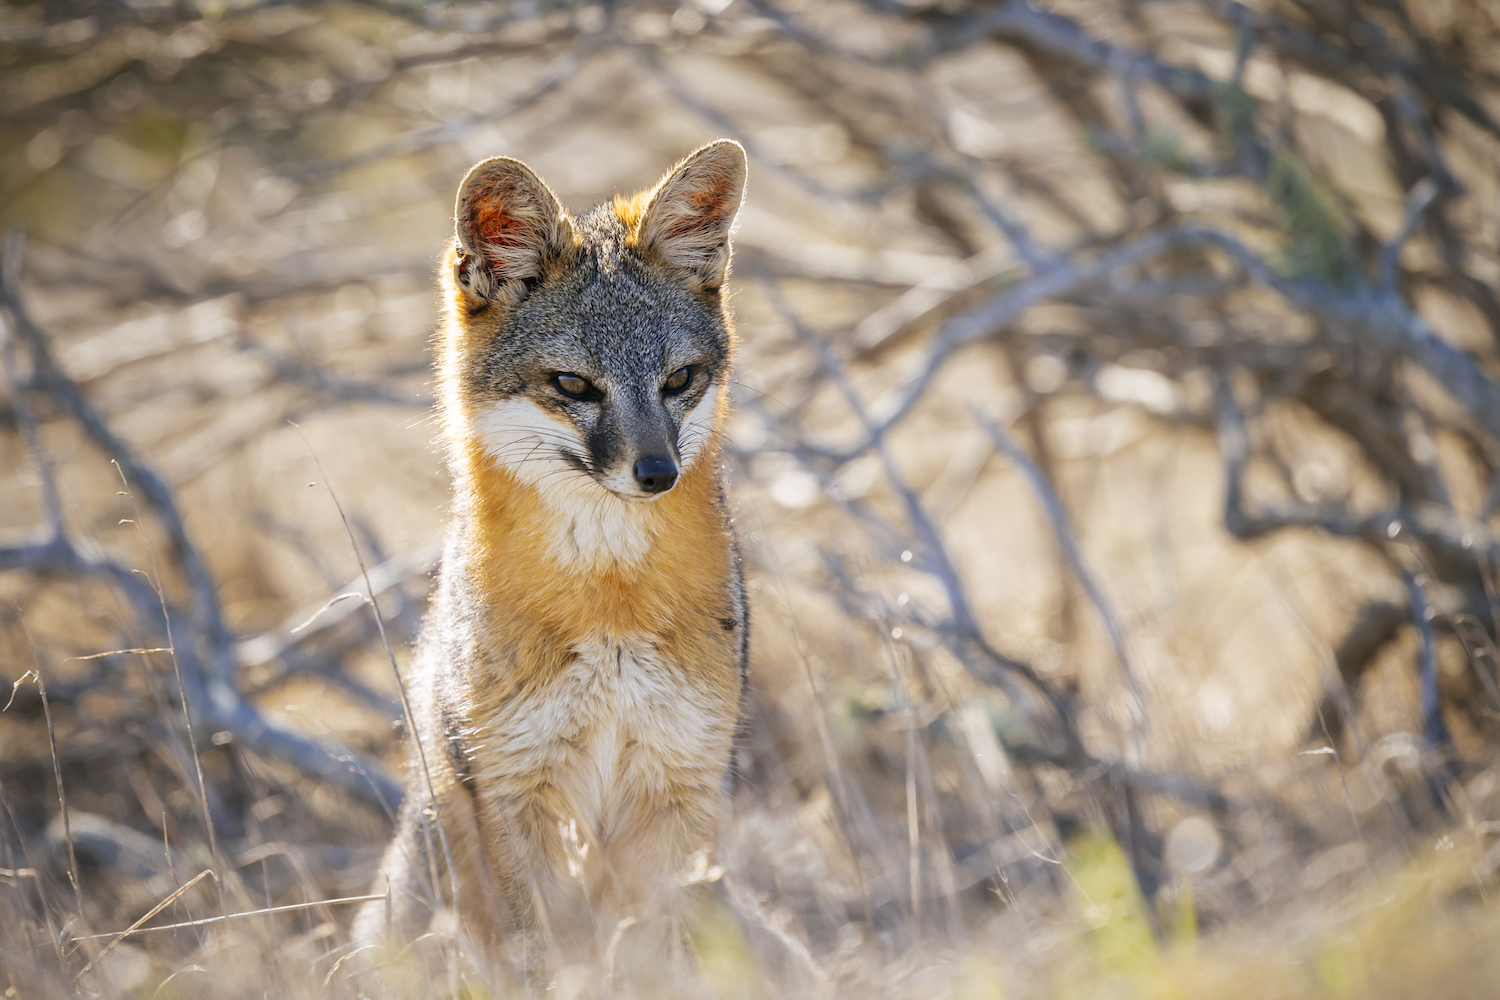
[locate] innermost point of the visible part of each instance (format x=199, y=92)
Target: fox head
x=591, y=354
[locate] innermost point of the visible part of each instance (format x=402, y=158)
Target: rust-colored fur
x=576, y=716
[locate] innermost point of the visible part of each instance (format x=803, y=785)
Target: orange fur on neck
x=676, y=596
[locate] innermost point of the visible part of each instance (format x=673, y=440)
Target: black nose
x=656, y=473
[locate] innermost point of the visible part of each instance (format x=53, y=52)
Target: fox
x=577, y=684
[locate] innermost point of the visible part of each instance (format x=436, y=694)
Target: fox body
x=577, y=684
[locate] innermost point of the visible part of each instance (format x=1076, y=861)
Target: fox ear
x=509, y=224
x=688, y=216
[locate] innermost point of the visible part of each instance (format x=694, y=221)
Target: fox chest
x=619, y=728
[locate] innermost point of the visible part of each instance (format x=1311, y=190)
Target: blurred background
x=1116, y=456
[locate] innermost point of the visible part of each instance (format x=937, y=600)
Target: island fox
x=578, y=680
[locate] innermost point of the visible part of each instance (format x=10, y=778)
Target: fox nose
x=656, y=473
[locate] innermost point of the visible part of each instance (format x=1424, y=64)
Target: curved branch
x=209, y=688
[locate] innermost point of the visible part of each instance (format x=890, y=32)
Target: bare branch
x=209, y=692
x=206, y=614
x=1433, y=729
x=1058, y=518
x=1439, y=529
x=558, y=72
x=1061, y=36
x=1422, y=195
x=298, y=628
x=890, y=322
x=29, y=431
x=1062, y=278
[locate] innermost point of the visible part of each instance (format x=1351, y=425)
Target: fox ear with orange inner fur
x=509, y=224
x=687, y=220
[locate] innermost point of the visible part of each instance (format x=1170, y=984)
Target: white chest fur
x=619, y=727
x=593, y=527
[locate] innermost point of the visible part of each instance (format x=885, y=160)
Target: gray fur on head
x=623, y=297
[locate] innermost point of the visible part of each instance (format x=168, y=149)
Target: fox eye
x=677, y=381
x=573, y=385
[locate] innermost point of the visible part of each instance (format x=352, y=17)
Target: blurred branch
x=332, y=388
x=934, y=555
x=935, y=296
x=1433, y=729
x=1375, y=624
x=721, y=121
x=329, y=667
x=1062, y=278
x=963, y=632
x=1058, y=518
x=1365, y=46
x=383, y=577
x=207, y=617
x=558, y=72
x=30, y=433
x=220, y=707
x=1482, y=654
x=1422, y=195
x=209, y=688
x=1441, y=530
x=1383, y=316
x=1062, y=36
